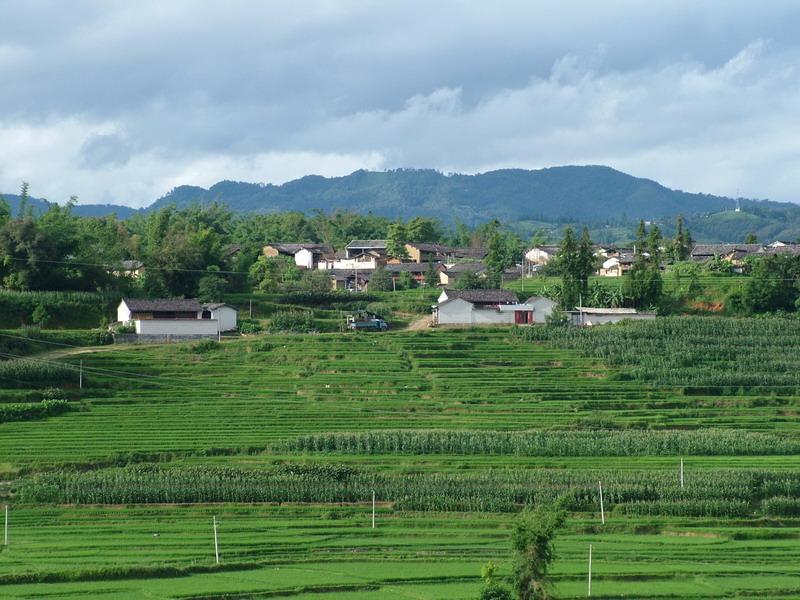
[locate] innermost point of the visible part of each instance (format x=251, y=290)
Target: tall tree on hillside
x=422, y=229
x=396, y=239
x=575, y=262
x=643, y=285
x=751, y=238
x=431, y=275
x=682, y=243
x=495, y=259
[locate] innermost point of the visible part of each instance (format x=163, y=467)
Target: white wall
x=461, y=312
x=492, y=316
x=542, y=308
x=304, y=258
x=176, y=326
x=123, y=313
x=226, y=317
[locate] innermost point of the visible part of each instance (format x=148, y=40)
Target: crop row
x=708, y=442
x=498, y=490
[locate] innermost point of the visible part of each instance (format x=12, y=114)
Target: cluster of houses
x=618, y=261
x=352, y=267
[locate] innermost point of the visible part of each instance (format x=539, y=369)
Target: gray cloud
x=119, y=101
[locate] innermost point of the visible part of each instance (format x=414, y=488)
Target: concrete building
x=589, y=317
x=165, y=319
x=481, y=307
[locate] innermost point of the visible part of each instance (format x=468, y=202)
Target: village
x=351, y=269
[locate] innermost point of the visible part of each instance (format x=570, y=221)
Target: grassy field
x=454, y=430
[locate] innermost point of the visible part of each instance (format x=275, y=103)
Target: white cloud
x=119, y=104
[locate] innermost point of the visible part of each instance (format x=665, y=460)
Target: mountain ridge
x=587, y=194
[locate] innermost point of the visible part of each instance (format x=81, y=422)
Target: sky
x=119, y=102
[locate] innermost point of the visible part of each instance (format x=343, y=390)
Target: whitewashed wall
x=176, y=326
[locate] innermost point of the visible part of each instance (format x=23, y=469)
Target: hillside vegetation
x=285, y=437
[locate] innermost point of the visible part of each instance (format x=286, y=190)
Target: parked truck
x=365, y=321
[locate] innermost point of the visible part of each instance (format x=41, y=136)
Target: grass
x=241, y=407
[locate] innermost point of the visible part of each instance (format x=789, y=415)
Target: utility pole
x=251, y=308
x=373, y=509
x=5, y=536
x=80, y=376
x=216, y=543
x=602, y=509
x=681, y=473
x=590, y=571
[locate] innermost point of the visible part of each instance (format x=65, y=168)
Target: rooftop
x=163, y=305
x=483, y=296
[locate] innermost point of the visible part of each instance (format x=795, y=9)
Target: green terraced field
x=241, y=431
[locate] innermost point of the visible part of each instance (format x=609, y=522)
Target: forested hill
x=590, y=193
x=39, y=205
x=593, y=195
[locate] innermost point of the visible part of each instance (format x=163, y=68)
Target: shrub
x=247, y=325
x=32, y=410
x=301, y=321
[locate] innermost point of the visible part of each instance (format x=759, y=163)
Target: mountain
x=607, y=199
x=590, y=193
x=39, y=205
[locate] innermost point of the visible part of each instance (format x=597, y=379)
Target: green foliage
x=301, y=321
x=20, y=373
x=212, y=285
x=380, y=280
x=65, y=309
x=469, y=280
x=271, y=274
x=557, y=318
x=247, y=325
x=32, y=410
x=396, y=239
x=575, y=263
x=706, y=442
x=406, y=281
x=532, y=541
x=774, y=284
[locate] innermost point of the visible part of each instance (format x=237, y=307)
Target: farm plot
x=285, y=437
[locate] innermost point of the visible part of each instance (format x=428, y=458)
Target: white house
x=541, y=255
x=176, y=318
x=305, y=255
x=480, y=307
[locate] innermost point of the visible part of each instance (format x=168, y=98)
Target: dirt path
x=420, y=324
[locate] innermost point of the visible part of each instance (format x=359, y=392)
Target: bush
x=247, y=325
x=32, y=410
x=300, y=321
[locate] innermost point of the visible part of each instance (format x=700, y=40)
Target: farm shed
x=589, y=316
x=480, y=307
x=176, y=319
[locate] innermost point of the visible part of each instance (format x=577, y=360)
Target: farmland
x=285, y=437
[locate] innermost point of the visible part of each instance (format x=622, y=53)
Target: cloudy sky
x=121, y=101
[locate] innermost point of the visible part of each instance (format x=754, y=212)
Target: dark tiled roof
x=793, y=249
x=722, y=249
x=216, y=305
x=483, y=296
x=464, y=267
x=367, y=244
x=294, y=248
x=163, y=305
x=408, y=268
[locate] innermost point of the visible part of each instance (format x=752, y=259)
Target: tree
x=643, y=285
x=492, y=588
x=751, y=238
x=431, y=275
x=212, y=285
x=40, y=315
x=682, y=243
x=469, y=280
x=5, y=212
x=271, y=274
x=423, y=229
x=576, y=263
x=396, y=239
x=532, y=541
x=496, y=256
x=380, y=280
x=773, y=284
x=406, y=282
